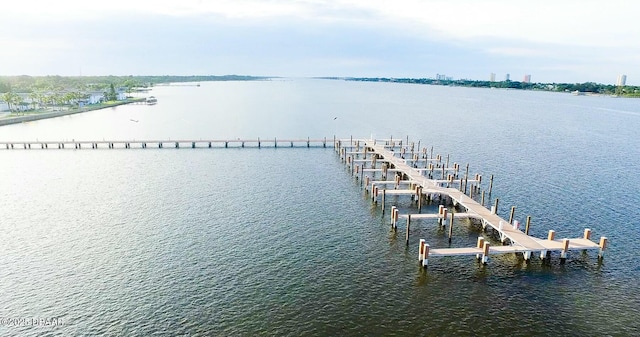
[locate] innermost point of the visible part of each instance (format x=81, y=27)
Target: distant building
x=507, y=77
x=527, y=79
x=95, y=97
x=492, y=77
x=622, y=80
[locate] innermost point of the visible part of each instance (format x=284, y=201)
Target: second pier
x=415, y=173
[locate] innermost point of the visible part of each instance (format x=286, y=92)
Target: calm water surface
x=245, y=242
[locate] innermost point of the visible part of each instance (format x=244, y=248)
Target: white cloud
x=592, y=32
x=580, y=22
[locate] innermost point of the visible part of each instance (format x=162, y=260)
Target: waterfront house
x=95, y=97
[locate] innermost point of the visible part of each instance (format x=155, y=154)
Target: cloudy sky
x=553, y=40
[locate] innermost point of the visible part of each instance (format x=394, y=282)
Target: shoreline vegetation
x=587, y=88
x=29, y=98
x=27, y=84
x=15, y=118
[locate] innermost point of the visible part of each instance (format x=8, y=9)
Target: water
x=282, y=241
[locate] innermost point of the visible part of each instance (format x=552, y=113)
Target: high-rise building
x=622, y=80
x=492, y=77
x=507, y=78
x=527, y=79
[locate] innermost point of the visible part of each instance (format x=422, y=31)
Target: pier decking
x=389, y=156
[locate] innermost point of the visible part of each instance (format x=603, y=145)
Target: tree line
x=605, y=89
x=52, y=91
x=25, y=83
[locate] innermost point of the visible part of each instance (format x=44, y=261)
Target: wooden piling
x=565, y=248
x=425, y=260
x=482, y=200
x=393, y=215
x=527, y=225
x=485, y=252
x=495, y=206
x=451, y=226
x=490, y=184
x=383, y=197
x=587, y=234
x=552, y=235
x=444, y=217
x=466, y=173
x=408, y=227
x=352, y=165
x=480, y=245
x=421, y=250
x=513, y=210
x=543, y=255
x=375, y=194
x=603, y=246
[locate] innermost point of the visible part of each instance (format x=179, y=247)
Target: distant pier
x=162, y=143
x=407, y=169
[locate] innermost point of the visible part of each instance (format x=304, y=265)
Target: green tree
x=111, y=95
x=35, y=99
x=12, y=99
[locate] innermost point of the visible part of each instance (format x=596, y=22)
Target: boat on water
x=151, y=100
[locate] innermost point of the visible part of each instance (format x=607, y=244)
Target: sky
x=571, y=41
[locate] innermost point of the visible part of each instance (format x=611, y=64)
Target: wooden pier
x=159, y=143
x=417, y=173
x=392, y=167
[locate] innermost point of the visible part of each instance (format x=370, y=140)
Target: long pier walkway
x=368, y=156
x=162, y=143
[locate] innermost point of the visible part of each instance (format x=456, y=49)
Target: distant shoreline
x=587, y=88
x=54, y=114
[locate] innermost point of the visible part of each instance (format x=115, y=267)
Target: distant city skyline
x=406, y=38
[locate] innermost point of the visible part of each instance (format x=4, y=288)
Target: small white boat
x=151, y=100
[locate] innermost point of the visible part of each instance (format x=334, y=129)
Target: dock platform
x=419, y=174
